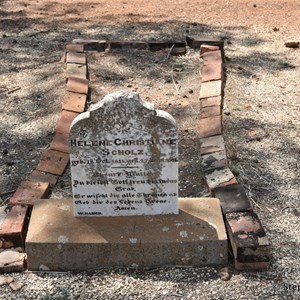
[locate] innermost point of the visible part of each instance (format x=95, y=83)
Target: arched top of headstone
x=124, y=107
x=124, y=159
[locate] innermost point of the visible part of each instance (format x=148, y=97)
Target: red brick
x=210, y=72
x=74, y=102
x=78, y=85
x=64, y=123
x=248, y=238
x=233, y=198
x=60, y=142
x=54, y=162
x=43, y=177
x=208, y=48
x=74, y=48
x=215, y=56
x=229, y=182
x=212, y=144
x=14, y=226
x=211, y=89
x=76, y=58
x=213, y=67
x=210, y=126
x=211, y=101
x=29, y=191
x=210, y=111
x=76, y=71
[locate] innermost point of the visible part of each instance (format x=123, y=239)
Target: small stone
x=16, y=286
x=224, y=274
x=292, y=44
x=12, y=261
x=5, y=280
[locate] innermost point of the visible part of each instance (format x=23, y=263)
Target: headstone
x=124, y=159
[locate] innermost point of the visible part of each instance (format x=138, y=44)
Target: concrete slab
x=59, y=241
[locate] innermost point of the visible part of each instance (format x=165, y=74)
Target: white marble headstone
x=124, y=159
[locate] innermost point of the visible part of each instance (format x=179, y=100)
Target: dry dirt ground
x=261, y=123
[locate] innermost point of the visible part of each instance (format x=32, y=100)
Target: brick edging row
x=250, y=245
x=248, y=239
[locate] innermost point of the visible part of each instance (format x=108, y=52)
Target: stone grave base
x=58, y=241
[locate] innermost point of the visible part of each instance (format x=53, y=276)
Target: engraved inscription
x=124, y=159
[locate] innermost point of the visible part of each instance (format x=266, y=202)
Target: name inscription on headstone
x=124, y=159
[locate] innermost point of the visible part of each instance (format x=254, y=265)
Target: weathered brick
x=76, y=58
x=211, y=101
x=212, y=144
x=232, y=181
x=64, y=123
x=253, y=266
x=116, y=44
x=219, y=177
x=160, y=45
x=78, y=85
x=248, y=238
x=92, y=45
x=54, y=162
x=74, y=102
x=74, y=48
x=210, y=111
x=208, y=48
x=43, y=177
x=210, y=72
x=210, y=126
x=76, y=71
x=212, y=67
x=211, y=89
x=14, y=226
x=214, y=160
x=29, y=191
x=196, y=41
x=60, y=142
x=215, y=56
x=233, y=198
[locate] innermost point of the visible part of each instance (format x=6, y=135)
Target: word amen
x=119, y=142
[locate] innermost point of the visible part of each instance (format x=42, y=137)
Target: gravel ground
x=261, y=128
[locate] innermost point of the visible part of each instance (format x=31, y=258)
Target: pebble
x=16, y=286
x=5, y=280
x=224, y=274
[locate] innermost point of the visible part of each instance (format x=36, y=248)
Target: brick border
x=250, y=245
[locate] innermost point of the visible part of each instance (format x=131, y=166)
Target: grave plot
x=171, y=83
x=247, y=236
